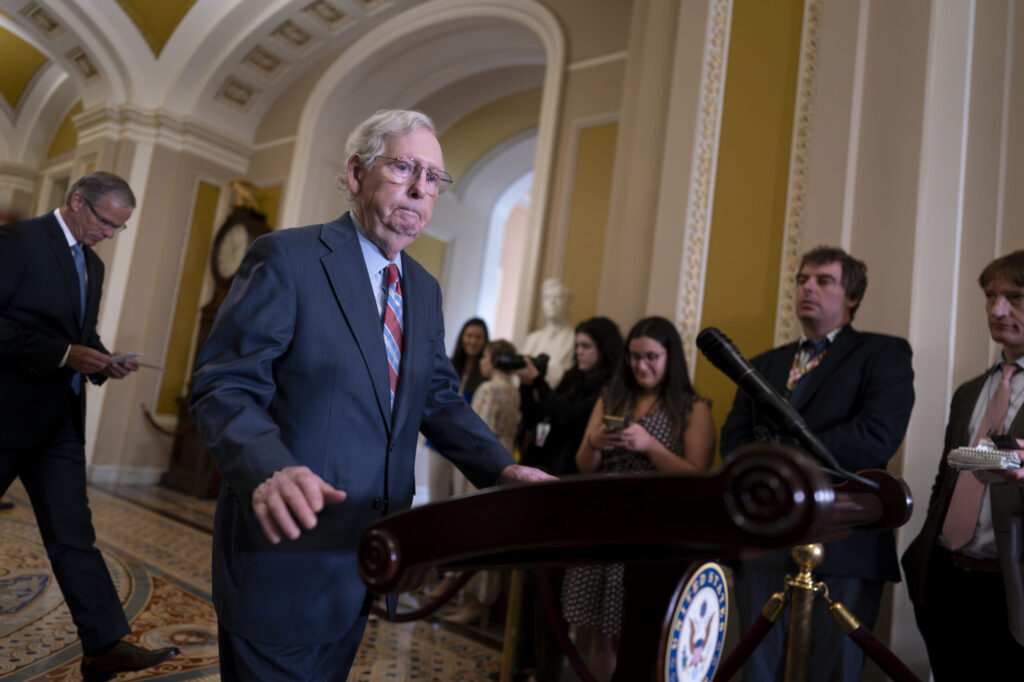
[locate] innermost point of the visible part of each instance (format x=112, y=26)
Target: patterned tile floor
x=157, y=545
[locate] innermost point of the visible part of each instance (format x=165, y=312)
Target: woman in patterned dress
x=665, y=427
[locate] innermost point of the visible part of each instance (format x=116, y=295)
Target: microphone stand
x=802, y=589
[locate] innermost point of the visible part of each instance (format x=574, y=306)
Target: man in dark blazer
x=48, y=343
x=855, y=392
x=967, y=584
x=313, y=422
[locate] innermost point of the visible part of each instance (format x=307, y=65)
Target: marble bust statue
x=556, y=337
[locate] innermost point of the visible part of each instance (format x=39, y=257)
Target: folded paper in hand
x=983, y=456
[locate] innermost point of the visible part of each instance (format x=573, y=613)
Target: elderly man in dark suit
x=326, y=360
x=50, y=286
x=855, y=392
x=965, y=570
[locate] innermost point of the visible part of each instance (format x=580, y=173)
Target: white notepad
x=983, y=456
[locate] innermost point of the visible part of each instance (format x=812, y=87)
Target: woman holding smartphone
x=649, y=419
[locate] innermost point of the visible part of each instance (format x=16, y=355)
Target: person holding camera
x=496, y=399
x=649, y=419
x=557, y=418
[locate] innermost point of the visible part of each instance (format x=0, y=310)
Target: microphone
x=723, y=354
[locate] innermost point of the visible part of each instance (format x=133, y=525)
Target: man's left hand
x=517, y=473
x=1015, y=476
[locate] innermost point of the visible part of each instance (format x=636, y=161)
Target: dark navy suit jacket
x=294, y=373
x=39, y=318
x=1007, y=513
x=858, y=402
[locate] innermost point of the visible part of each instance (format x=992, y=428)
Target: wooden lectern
x=765, y=497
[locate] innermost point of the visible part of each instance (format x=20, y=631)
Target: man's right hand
x=292, y=494
x=85, y=360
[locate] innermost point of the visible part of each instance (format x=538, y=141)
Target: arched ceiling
x=219, y=64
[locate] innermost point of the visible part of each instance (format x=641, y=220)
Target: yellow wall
x=429, y=252
x=745, y=250
x=479, y=132
x=20, y=62
x=588, y=219
x=156, y=21
x=269, y=199
x=66, y=137
x=187, y=312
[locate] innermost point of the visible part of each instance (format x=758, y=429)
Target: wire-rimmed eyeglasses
x=402, y=170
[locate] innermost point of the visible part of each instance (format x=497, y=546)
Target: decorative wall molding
x=599, y=61
x=701, y=192
x=160, y=128
x=18, y=177
x=107, y=473
x=576, y=129
x=792, y=238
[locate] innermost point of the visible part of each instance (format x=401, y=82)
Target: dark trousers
x=243, y=660
x=833, y=656
x=54, y=477
x=964, y=624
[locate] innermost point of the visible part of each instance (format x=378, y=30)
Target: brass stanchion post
x=801, y=607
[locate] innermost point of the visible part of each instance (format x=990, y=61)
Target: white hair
x=369, y=139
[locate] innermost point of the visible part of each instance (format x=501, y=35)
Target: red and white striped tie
x=393, y=326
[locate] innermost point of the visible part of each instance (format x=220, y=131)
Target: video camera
x=508, y=362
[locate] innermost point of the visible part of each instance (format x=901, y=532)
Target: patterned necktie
x=79, y=256
x=393, y=326
x=815, y=352
x=964, y=506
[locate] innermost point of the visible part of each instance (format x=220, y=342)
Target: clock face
x=231, y=250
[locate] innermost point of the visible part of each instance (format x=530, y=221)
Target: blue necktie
x=79, y=256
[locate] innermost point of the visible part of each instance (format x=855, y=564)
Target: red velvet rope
x=547, y=593
x=882, y=656
x=166, y=432
x=739, y=655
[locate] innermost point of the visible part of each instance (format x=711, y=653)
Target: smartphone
x=614, y=423
x=1005, y=441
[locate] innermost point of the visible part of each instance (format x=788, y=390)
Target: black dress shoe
x=124, y=657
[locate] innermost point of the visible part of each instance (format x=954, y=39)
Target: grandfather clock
x=192, y=470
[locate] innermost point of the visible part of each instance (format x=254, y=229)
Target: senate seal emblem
x=698, y=627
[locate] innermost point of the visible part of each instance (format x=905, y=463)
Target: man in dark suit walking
x=326, y=360
x=965, y=570
x=855, y=392
x=50, y=287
